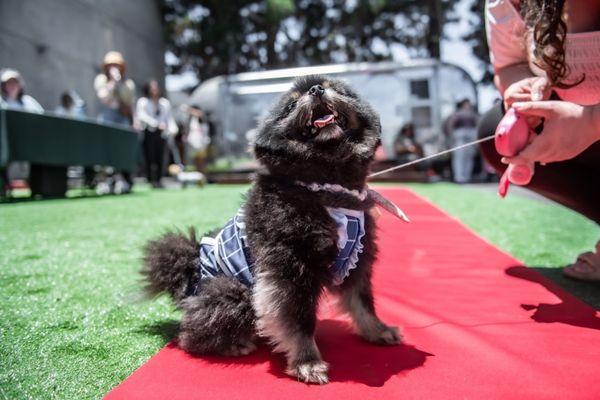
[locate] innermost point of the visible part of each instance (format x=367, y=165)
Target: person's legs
x=573, y=183
x=153, y=153
x=468, y=164
x=462, y=160
x=160, y=157
x=586, y=267
x=147, y=147
x=199, y=159
x=4, y=186
x=457, y=166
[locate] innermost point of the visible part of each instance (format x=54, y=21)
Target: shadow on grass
x=23, y=196
x=168, y=329
x=588, y=292
x=569, y=310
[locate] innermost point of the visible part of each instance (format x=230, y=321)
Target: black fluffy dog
x=314, y=151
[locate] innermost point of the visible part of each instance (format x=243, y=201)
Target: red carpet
x=476, y=324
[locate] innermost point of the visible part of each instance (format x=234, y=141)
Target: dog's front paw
x=386, y=335
x=311, y=372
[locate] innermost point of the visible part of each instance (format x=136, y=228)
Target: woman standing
x=198, y=137
x=154, y=117
x=546, y=56
x=115, y=92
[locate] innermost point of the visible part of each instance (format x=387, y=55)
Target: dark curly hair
x=545, y=18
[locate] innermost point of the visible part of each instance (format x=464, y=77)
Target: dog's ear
x=268, y=139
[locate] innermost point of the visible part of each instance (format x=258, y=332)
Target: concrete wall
x=58, y=45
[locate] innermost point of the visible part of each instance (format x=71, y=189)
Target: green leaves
x=279, y=9
x=223, y=37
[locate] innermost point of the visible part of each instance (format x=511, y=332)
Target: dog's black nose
x=316, y=90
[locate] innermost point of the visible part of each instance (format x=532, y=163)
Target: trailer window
x=420, y=88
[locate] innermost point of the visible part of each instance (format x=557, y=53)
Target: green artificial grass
x=72, y=325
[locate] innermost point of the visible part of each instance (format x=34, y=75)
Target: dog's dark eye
x=290, y=106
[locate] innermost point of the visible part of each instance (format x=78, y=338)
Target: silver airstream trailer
x=422, y=92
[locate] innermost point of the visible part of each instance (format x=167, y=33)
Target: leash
x=441, y=153
x=376, y=196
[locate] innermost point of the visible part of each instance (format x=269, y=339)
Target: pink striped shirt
x=510, y=44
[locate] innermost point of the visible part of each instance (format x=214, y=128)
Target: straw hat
x=114, y=58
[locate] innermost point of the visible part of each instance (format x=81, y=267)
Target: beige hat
x=114, y=57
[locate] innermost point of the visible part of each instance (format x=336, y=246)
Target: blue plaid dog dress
x=228, y=252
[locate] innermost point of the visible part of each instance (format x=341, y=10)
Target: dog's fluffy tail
x=170, y=263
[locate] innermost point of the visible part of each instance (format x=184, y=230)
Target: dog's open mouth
x=324, y=115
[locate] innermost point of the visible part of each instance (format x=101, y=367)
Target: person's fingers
x=545, y=109
x=540, y=89
x=537, y=150
x=515, y=97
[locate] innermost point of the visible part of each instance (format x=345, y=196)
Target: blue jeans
x=112, y=115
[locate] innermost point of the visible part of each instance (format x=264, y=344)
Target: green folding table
x=52, y=143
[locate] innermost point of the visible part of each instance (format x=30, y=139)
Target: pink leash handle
x=512, y=135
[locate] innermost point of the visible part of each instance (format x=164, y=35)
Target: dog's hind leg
x=219, y=320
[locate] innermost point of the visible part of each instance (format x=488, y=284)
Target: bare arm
x=510, y=74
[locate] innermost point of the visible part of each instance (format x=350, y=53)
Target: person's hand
x=569, y=129
x=529, y=89
x=536, y=88
x=162, y=126
x=114, y=73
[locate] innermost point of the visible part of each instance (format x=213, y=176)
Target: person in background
x=12, y=96
x=69, y=107
x=545, y=56
x=198, y=137
x=13, y=93
x=115, y=91
x=72, y=106
x=405, y=146
x=154, y=118
x=116, y=94
x=462, y=126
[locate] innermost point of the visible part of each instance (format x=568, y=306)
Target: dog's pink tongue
x=323, y=121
